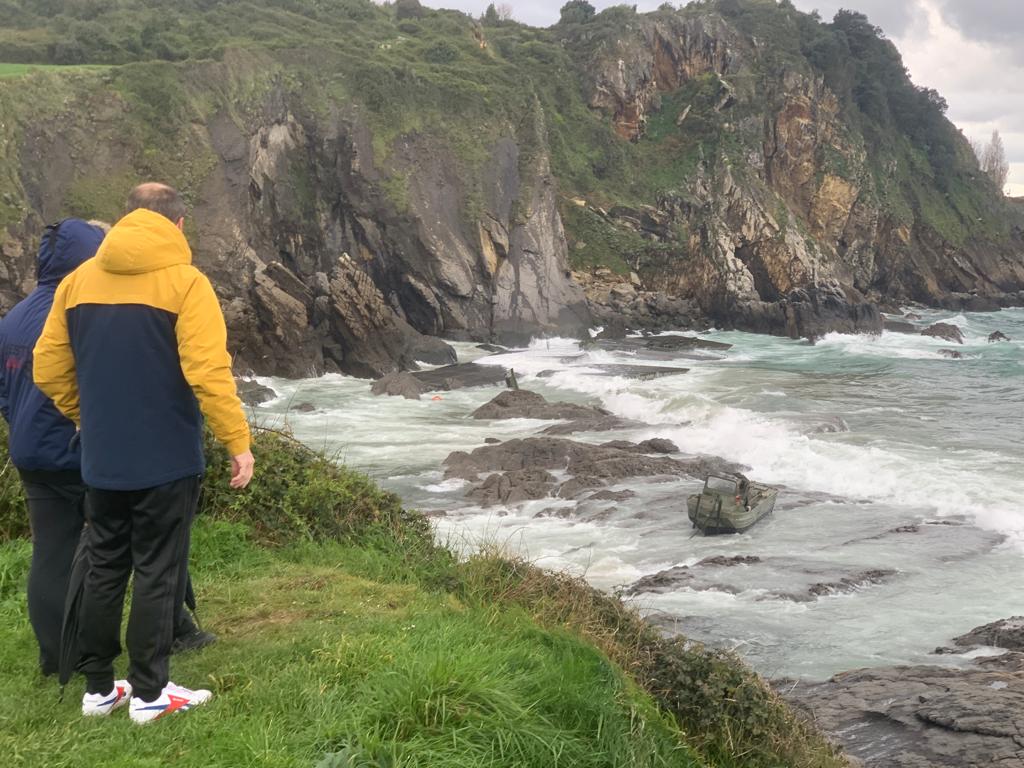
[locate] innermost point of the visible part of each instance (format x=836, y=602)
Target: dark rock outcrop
x=997, y=336
x=951, y=354
x=522, y=404
x=523, y=467
x=461, y=376
x=399, y=384
x=252, y=393
x=945, y=331
x=922, y=717
x=1006, y=633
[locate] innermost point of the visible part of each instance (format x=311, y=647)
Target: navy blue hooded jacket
x=41, y=436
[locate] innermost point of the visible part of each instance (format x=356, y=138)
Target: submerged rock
x=900, y=326
x=399, y=384
x=524, y=467
x=523, y=404
x=952, y=354
x=773, y=578
x=997, y=336
x=252, y=393
x=945, y=331
x=461, y=376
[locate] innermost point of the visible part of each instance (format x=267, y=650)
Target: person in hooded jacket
x=41, y=439
x=135, y=350
x=43, y=448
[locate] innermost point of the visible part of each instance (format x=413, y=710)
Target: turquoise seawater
x=902, y=476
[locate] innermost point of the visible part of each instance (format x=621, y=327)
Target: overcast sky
x=968, y=50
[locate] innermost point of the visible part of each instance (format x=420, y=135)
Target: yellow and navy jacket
x=133, y=349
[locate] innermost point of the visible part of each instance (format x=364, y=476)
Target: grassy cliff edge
x=349, y=638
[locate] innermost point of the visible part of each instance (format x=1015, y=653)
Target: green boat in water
x=730, y=504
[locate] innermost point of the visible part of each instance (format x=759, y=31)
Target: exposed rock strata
x=922, y=717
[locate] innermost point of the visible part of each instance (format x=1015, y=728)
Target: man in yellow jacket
x=134, y=351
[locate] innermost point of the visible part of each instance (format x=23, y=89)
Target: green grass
x=314, y=660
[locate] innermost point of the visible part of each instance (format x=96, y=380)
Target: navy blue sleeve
x=4, y=397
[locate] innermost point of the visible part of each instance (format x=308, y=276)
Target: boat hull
x=713, y=515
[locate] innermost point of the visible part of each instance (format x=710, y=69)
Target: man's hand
x=241, y=470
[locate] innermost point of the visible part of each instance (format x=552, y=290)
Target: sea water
x=867, y=437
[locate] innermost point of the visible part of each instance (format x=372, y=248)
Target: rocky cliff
x=394, y=180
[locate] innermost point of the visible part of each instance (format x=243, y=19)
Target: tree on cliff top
x=408, y=9
x=992, y=157
x=576, y=12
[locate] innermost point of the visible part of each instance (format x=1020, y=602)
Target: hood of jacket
x=143, y=241
x=63, y=249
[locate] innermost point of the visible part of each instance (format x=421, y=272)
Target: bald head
x=158, y=198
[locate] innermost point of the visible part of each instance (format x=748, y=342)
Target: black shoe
x=193, y=641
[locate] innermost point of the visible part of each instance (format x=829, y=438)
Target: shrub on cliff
x=299, y=494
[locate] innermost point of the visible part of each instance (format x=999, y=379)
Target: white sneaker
x=173, y=698
x=94, y=704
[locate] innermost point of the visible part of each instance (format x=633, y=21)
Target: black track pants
x=56, y=503
x=147, y=530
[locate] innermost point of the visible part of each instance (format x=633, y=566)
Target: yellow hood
x=143, y=241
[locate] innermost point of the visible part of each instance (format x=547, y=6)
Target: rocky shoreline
x=899, y=717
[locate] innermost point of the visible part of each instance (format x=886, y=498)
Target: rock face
x=772, y=212
x=786, y=234
x=922, y=717
x=286, y=191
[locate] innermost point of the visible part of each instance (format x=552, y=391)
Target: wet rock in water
x=952, y=354
x=513, y=487
x=576, y=487
x=922, y=717
x=522, y=404
x=613, y=329
x=1005, y=633
x=945, y=331
x=305, y=407
x=834, y=425
x=684, y=343
x=590, y=424
x=252, y=393
x=851, y=583
x=588, y=467
x=911, y=316
x=727, y=562
x=900, y=326
x=997, y=336
x=494, y=349
x=491, y=441
x=461, y=376
x=638, y=372
x=399, y=384
x=612, y=496
x=773, y=578
x=659, y=445
x=811, y=311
